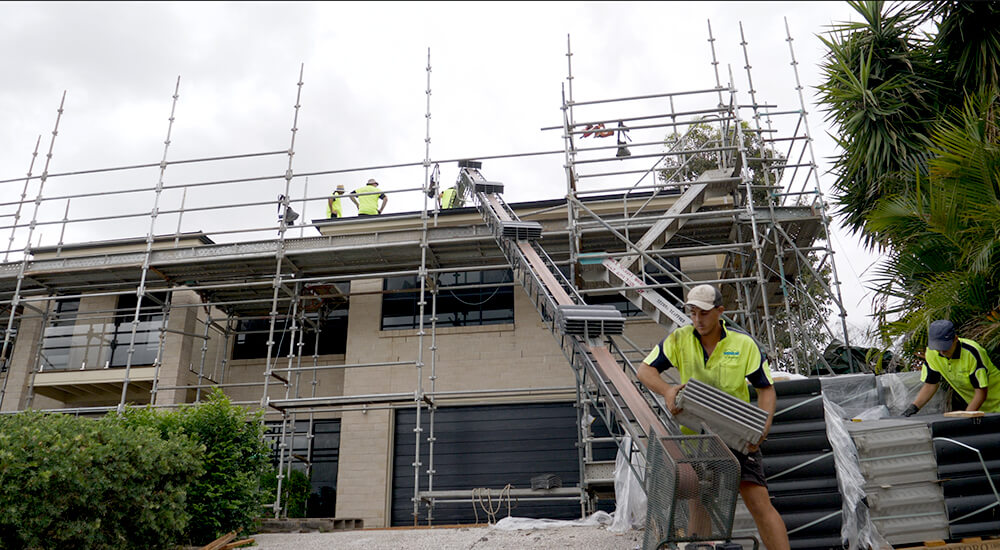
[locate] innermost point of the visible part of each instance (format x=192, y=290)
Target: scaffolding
x=706, y=185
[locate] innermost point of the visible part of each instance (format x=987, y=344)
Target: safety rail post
x=277, y=281
x=431, y=439
x=20, y=203
x=838, y=297
x=140, y=291
x=758, y=236
x=161, y=341
x=766, y=171
x=37, y=359
x=16, y=298
x=204, y=352
x=418, y=394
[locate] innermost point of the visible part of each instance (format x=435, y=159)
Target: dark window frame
x=250, y=341
x=464, y=299
x=147, y=334
x=57, y=337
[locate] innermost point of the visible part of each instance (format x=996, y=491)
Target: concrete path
x=457, y=538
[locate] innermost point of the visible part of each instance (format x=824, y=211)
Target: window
x=147, y=332
x=323, y=458
x=251, y=336
x=465, y=298
x=102, y=340
x=58, y=337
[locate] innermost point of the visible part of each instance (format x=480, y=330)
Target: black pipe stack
x=968, y=493
x=799, y=465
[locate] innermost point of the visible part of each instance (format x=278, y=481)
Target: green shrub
x=68, y=482
x=227, y=497
x=295, y=491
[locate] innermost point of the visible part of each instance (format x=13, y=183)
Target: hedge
x=227, y=496
x=69, y=482
x=147, y=478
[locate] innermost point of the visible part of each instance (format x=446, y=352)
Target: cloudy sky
x=496, y=81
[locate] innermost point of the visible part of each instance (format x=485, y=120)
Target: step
x=305, y=525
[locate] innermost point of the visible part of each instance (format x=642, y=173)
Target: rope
x=486, y=504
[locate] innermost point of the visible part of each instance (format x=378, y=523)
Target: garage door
x=487, y=446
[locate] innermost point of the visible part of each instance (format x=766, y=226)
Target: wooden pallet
x=969, y=543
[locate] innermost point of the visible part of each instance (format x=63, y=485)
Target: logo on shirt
x=731, y=353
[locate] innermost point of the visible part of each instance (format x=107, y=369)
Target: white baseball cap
x=704, y=297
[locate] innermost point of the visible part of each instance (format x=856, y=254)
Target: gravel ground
x=457, y=538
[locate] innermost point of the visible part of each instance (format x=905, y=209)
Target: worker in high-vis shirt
x=334, y=209
x=964, y=364
x=710, y=351
x=449, y=198
x=367, y=199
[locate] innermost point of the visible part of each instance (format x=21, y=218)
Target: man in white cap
x=963, y=363
x=725, y=357
x=333, y=207
x=367, y=199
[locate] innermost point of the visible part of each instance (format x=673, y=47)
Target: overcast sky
x=497, y=72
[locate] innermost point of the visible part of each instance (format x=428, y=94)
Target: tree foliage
x=945, y=254
x=70, y=482
x=707, y=143
x=912, y=91
x=227, y=496
x=295, y=490
x=886, y=83
x=809, y=301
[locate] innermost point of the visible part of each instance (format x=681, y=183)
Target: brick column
x=177, y=358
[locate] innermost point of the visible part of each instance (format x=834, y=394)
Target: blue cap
x=941, y=335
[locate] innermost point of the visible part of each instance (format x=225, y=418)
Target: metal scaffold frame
x=777, y=222
x=265, y=279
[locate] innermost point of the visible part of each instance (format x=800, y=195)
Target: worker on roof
x=334, y=209
x=710, y=351
x=367, y=199
x=449, y=198
x=963, y=363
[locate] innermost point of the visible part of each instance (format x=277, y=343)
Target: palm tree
x=942, y=233
x=879, y=91
x=887, y=83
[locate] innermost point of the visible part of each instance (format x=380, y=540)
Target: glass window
x=147, y=331
x=251, y=336
x=465, y=298
x=58, y=337
x=323, y=458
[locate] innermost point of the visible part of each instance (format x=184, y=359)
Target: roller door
x=487, y=446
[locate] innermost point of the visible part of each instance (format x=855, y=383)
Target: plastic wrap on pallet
x=630, y=496
x=899, y=390
x=855, y=394
x=857, y=529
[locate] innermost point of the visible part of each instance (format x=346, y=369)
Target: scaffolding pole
x=8, y=333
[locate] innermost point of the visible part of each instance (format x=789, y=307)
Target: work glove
x=911, y=410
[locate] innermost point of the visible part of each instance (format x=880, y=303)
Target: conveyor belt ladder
x=577, y=327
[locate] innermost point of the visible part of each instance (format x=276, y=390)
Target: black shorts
x=752, y=467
